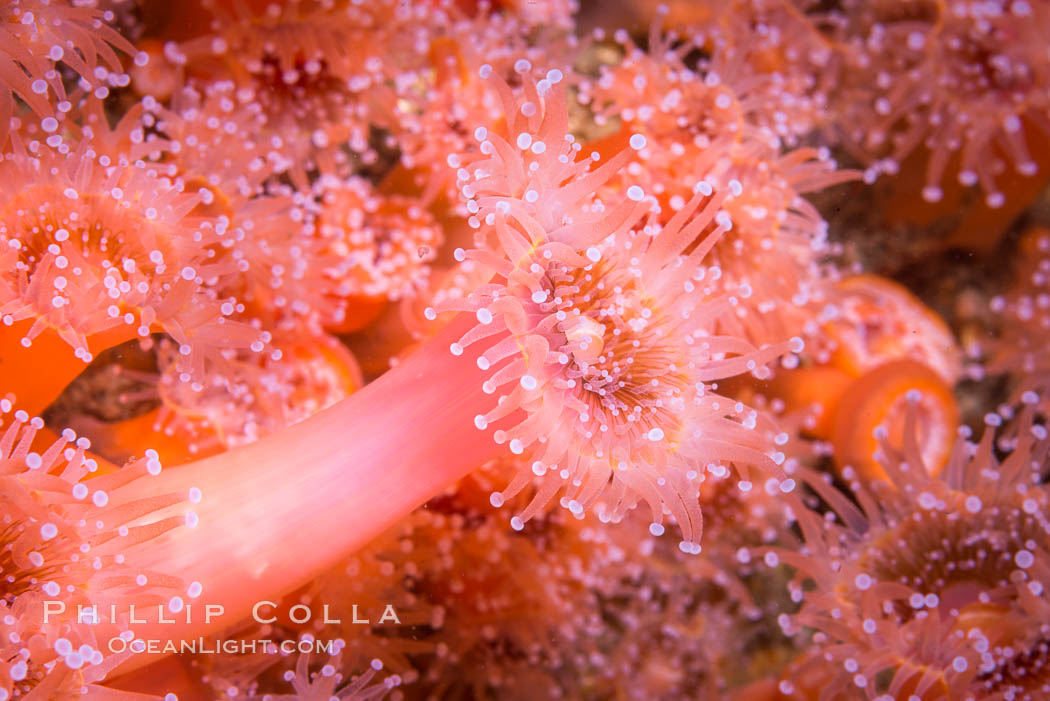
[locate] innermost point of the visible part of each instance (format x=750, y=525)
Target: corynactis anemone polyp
x=280, y=271
x=776, y=53
x=255, y=396
x=963, y=80
x=878, y=342
x=672, y=612
x=37, y=36
x=491, y=624
x=859, y=339
x=1020, y=351
x=697, y=124
x=316, y=72
x=594, y=328
x=99, y=246
x=933, y=587
x=439, y=111
x=881, y=397
x=384, y=243
x=65, y=535
x=328, y=683
x=600, y=327
x=309, y=681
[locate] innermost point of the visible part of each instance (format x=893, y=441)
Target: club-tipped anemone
x=252, y=397
x=312, y=682
x=876, y=344
x=276, y=268
x=667, y=614
x=929, y=585
x=316, y=73
x=593, y=332
x=570, y=398
x=354, y=595
x=965, y=81
x=175, y=439
x=773, y=52
x=873, y=320
x=692, y=124
x=1020, y=350
x=39, y=36
x=672, y=634
x=97, y=243
x=491, y=590
x=606, y=283
x=383, y=243
x=66, y=530
x=439, y=109
x=255, y=396
x=760, y=67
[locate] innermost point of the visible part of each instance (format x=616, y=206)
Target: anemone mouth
x=621, y=357
x=988, y=58
x=926, y=549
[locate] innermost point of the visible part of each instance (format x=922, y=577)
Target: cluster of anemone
x=550, y=341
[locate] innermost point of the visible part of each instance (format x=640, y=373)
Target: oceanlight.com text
x=203, y=646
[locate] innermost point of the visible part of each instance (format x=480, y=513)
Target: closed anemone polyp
x=598, y=349
x=877, y=405
x=876, y=320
